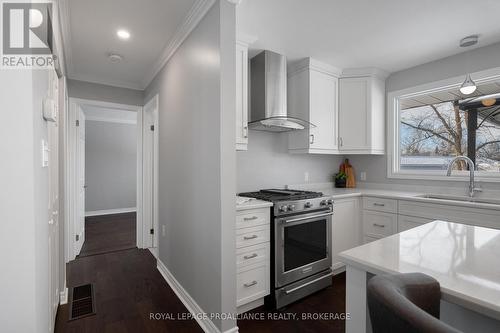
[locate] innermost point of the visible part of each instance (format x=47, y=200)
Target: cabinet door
x=378, y=224
x=354, y=99
x=241, y=97
x=409, y=222
x=323, y=112
x=345, y=228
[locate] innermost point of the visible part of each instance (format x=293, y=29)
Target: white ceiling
x=91, y=35
x=390, y=34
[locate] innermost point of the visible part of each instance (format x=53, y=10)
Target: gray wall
x=476, y=60
x=110, y=165
x=197, y=162
x=105, y=93
x=267, y=163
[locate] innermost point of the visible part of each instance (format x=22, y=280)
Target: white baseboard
x=110, y=211
x=206, y=324
x=154, y=251
x=63, y=297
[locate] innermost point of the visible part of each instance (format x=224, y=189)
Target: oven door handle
x=307, y=217
x=307, y=283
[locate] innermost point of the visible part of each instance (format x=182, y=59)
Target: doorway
x=104, y=182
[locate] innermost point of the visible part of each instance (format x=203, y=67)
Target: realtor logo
x=27, y=35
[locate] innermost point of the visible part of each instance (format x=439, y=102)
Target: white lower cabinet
x=380, y=218
x=345, y=229
x=253, y=262
x=409, y=222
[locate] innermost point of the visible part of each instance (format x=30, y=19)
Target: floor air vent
x=82, y=302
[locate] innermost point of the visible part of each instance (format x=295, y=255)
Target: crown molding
x=363, y=72
x=234, y=2
x=193, y=17
x=64, y=16
x=315, y=65
x=113, y=83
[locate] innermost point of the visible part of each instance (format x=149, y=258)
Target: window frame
x=393, y=121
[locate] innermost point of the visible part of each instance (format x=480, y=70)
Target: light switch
x=45, y=154
x=362, y=176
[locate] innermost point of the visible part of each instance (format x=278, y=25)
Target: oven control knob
x=291, y=208
x=330, y=201
x=282, y=209
x=308, y=205
x=323, y=203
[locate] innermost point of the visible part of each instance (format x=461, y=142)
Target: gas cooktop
x=274, y=195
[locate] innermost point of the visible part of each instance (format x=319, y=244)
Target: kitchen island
x=464, y=259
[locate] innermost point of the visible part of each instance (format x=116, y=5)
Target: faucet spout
x=472, y=168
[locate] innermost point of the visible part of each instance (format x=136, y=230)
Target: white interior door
x=53, y=206
x=150, y=173
x=80, y=205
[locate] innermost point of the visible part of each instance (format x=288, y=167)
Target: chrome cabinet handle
x=247, y=285
x=250, y=237
x=312, y=139
x=251, y=256
x=378, y=225
x=341, y=141
x=378, y=204
x=250, y=218
x=245, y=132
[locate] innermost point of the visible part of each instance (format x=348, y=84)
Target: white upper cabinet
x=242, y=94
x=312, y=96
x=362, y=111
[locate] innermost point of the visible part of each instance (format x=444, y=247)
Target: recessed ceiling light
x=123, y=34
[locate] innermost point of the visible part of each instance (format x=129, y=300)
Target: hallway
x=128, y=287
x=108, y=233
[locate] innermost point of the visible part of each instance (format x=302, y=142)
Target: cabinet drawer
x=252, y=218
x=409, y=222
x=252, y=254
x=380, y=204
x=252, y=282
x=369, y=239
x=379, y=224
x=252, y=236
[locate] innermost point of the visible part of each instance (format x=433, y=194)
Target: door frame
x=153, y=103
x=70, y=160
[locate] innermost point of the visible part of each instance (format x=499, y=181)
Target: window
x=433, y=127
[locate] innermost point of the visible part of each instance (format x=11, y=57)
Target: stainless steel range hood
x=268, y=95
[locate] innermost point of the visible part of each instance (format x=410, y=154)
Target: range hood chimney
x=268, y=95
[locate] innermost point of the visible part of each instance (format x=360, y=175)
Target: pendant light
x=469, y=86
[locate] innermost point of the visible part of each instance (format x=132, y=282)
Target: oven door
x=302, y=246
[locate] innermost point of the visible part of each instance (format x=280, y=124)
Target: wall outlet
x=306, y=176
x=163, y=231
x=362, y=176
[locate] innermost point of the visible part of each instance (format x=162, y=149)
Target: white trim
x=393, y=120
x=201, y=316
x=63, y=297
x=70, y=196
x=105, y=119
x=110, y=211
x=115, y=83
x=364, y=72
x=193, y=17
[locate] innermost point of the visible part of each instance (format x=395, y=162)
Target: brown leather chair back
x=405, y=303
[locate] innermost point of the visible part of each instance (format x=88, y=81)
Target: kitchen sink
x=460, y=198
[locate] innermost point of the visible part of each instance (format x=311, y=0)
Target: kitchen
x=346, y=113
x=302, y=166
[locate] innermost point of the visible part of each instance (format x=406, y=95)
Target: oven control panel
x=289, y=207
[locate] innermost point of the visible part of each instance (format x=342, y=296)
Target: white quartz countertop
x=464, y=259
x=243, y=203
x=340, y=193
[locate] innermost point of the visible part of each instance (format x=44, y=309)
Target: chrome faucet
x=472, y=188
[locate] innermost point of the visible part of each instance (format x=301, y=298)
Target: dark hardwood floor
x=107, y=233
x=128, y=288
x=301, y=316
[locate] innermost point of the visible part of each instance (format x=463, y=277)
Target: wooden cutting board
x=349, y=171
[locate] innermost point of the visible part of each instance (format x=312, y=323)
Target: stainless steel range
x=301, y=243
